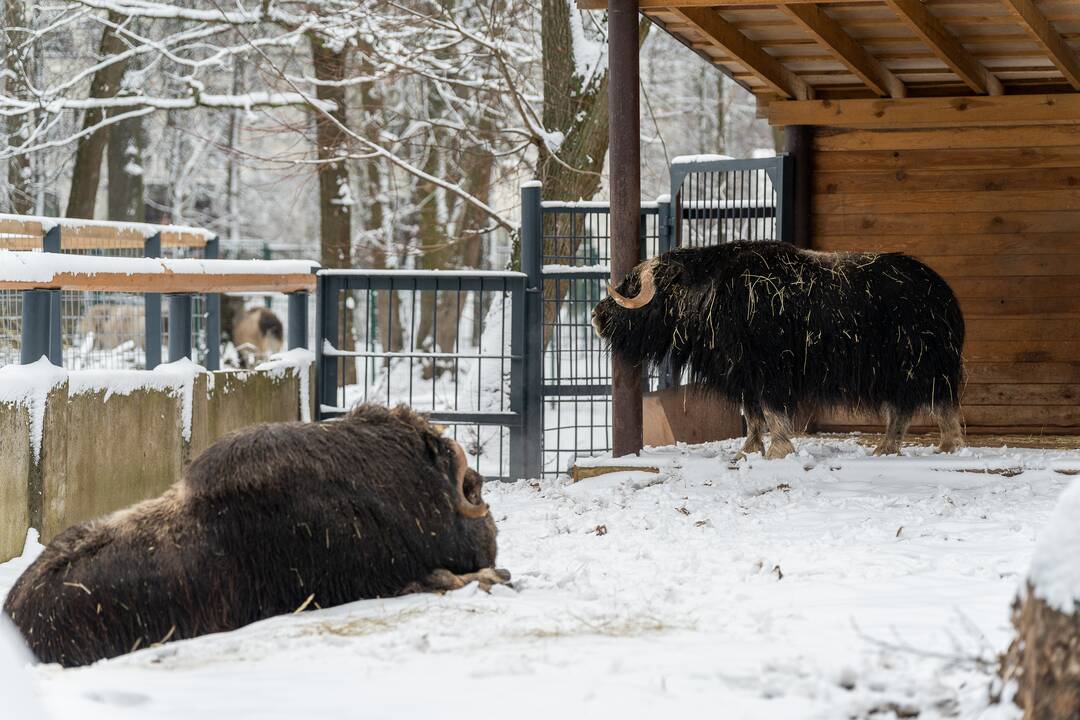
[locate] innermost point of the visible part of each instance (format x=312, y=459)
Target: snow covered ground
x=827, y=585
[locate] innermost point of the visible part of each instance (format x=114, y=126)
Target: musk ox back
x=267, y=521
x=774, y=329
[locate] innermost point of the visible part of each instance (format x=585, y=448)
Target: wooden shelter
x=947, y=129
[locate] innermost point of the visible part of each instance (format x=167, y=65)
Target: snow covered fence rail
x=40, y=276
x=27, y=232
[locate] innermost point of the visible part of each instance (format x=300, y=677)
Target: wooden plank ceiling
x=833, y=49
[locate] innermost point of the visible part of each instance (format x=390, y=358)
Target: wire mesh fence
x=446, y=343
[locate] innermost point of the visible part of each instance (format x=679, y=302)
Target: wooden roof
x=841, y=49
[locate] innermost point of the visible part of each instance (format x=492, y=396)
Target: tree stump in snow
x=1044, y=657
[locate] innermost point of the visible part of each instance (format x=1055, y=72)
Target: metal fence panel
x=409, y=337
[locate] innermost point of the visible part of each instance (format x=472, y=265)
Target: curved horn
x=644, y=296
x=464, y=505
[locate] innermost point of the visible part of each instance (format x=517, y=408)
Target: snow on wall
x=297, y=361
x=1055, y=566
x=30, y=385
x=24, y=266
x=176, y=378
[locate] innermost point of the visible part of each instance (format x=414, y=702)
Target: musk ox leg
x=781, y=427
x=755, y=433
x=896, y=424
x=952, y=432
x=443, y=580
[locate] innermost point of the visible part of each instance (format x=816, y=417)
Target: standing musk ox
x=774, y=329
x=267, y=521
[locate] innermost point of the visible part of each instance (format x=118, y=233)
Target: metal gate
x=713, y=200
x=718, y=200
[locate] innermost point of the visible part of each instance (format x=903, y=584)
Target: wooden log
x=579, y=472
x=1044, y=659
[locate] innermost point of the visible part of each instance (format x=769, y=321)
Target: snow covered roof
x=24, y=232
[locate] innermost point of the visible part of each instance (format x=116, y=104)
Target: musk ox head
x=640, y=318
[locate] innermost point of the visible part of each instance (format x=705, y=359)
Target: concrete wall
x=101, y=454
x=15, y=465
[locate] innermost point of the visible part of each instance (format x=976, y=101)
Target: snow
x=531, y=184
x=30, y=385
x=15, y=689
x=831, y=584
x=23, y=266
x=576, y=269
x=698, y=159
x=408, y=275
x=297, y=361
x=1055, y=572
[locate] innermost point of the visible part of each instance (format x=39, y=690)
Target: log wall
x=996, y=211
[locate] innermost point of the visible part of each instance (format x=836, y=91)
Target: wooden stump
x=1044, y=659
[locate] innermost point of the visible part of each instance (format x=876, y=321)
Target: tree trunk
x=581, y=114
x=1044, y=659
x=125, y=163
x=335, y=196
x=86, y=174
x=20, y=181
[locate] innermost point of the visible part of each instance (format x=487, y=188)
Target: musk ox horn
x=465, y=506
x=644, y=296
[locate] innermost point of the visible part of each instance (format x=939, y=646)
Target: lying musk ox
x=775, y=329
x=267, y=521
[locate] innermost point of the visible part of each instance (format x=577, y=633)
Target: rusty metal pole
x=624, y=171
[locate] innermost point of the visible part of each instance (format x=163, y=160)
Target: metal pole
x=152, y=311
x=326, y=322
x=179, y=327
x=532, y=382
x=35, y=325
x=213, y=313
x=665, y=243
x=624, y=157
x=298, y=315
x=51, y=244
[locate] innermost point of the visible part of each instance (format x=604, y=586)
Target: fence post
x=298, y=314
x=51, y=244
x=213, y=312
x=152, y=310
x=532, y=262
x=326, y=322
x=36, y=306
x=179, y=327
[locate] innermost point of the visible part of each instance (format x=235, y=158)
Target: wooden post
x=798, y=141
x=624, y=158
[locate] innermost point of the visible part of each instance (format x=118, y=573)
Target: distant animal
x=109, y=325
x=256, y=333
x=269, y=520
x=775, y=329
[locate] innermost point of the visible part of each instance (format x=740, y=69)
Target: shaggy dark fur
x=773, y=329
x=270, y=325
x=265, y=520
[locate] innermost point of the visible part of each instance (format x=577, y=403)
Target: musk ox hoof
x=950, y=446
x=441, y=580
x=889, y=449
x=778, y=450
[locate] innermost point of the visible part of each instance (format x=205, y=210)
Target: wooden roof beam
x=722, y=34
x=660, y=4
x=945, y=45
x=1039, y=27
x=845, y=49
